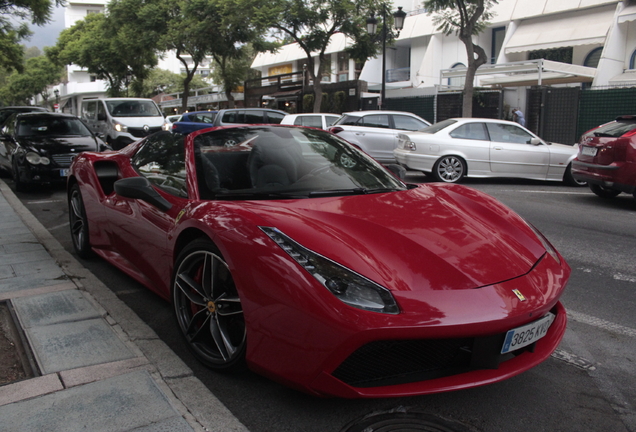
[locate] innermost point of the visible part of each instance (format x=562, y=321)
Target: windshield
x=438, y=126
x=270, y=162
x=51, y=126
x=132, y=108
x=615, y=129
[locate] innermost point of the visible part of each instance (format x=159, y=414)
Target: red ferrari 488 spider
x=291, y=251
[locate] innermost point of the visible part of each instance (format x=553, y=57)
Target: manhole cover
x=403, y=421
x=16, y=363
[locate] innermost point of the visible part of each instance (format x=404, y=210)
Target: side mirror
x=535, y=141
x=140, y=188
x=397, y=170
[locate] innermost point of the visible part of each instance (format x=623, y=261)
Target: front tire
x=604, y=192
x=79, y=223
x=208, y=307
x=449, y=169
x=20, y=186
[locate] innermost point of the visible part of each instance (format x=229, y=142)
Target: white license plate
x=64, y=173
x=527, y=334
x=589, y=151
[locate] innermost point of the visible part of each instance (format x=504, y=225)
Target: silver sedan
x=471, y=147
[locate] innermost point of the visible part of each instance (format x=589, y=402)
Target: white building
x=594, y=39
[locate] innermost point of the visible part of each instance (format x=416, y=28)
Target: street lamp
x=372, y=27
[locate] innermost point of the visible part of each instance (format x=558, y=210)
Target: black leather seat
x=274, y=161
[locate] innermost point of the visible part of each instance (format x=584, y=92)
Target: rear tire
x=449, y=169
x=604, y=192
x=569, y=179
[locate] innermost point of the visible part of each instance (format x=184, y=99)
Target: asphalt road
x=589, y=384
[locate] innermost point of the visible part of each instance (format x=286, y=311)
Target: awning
x=526, y=73
x=627, y=14
x=292, y=52
x=626, y=78
x=588, y=27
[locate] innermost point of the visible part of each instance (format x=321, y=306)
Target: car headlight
x=120, y=127
x=410, y=145
x=348, y=286
x=35, y=159
x=546, y=244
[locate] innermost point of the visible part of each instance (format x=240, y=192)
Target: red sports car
x=289, y=250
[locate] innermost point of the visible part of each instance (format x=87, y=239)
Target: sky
x=47, y=34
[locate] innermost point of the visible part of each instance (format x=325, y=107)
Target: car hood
x=55, y=145
x=439, y=237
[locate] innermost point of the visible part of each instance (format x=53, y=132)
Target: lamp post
x=372, y=27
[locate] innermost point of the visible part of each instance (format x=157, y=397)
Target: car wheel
x=208, y=307
x=20, y=186
x=604, y=192
x=569, y=179
x=79, y=223
x=345, y=161
x=449, y=169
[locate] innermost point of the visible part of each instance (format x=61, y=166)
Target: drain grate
x=16, y=359
x=402, y=421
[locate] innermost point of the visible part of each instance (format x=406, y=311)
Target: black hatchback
x=38, y=147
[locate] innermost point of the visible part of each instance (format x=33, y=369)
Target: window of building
x=632, y=61
x=458, y=81
x=93, y=11
x=343, y=66
x=498, y=35
x=593, y=57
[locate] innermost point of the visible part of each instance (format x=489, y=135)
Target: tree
x=97, y=44
x=312, y=23
x=38, y=12
x=465, y=18
x=38, y=74
x=163, y=81
x=231, y=72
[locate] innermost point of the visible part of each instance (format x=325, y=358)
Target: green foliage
x=312, y=23
x=339, y=99
x=308, y=102
x=38, y=74
x=324, y=106
x=459, y=16
x=38, y=12
x=106, y=50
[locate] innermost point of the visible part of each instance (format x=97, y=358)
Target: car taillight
x=629, y=134
x=335, y=129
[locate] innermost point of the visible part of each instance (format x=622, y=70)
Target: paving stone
x=124, y=403
x=54, y=308
x=66, y=346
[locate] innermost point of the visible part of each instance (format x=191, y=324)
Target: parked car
x=191, y=121
x=317, y=120
x=269, y=252
x=472, y=147
x=122, y=120
x=376, y=132
x=5, y=112
x=233, y=116
x=170, y=120
x=607, y=158
x=38, y=147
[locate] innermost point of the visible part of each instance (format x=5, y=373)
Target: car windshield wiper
x=352, y=191
x=246, y=195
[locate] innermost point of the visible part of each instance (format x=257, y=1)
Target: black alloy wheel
x=604, y=192
x=208, y=308
x=78, y=223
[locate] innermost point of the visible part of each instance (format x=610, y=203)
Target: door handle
x=498, y=148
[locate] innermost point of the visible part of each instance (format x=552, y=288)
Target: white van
x=122, y=120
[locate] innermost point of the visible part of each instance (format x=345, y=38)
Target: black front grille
x=395, y=362
x=63, y=160
x=139, y=132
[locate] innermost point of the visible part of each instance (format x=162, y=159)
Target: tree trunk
x=317, y=94
x=230, y=98
x=471, y=69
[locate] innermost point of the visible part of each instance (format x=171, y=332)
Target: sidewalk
x=102, y=368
